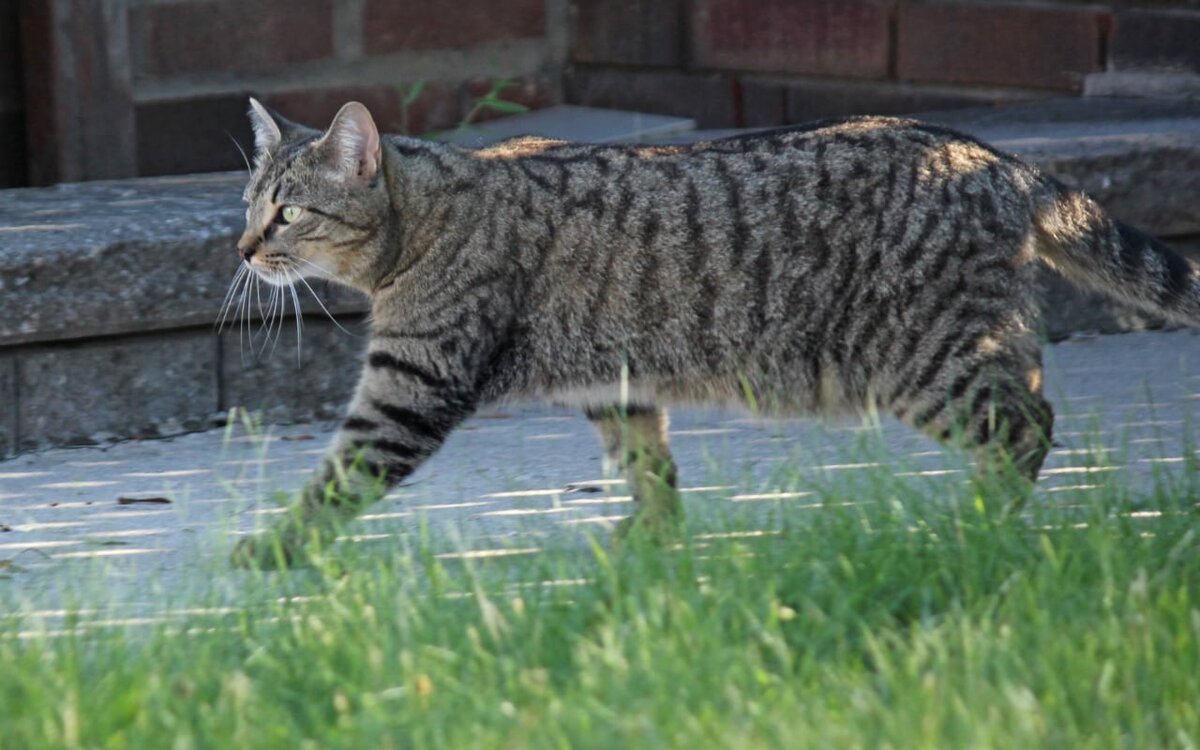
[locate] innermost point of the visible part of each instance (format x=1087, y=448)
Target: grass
x=912, y=618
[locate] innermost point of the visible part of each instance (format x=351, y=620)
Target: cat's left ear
x=267, y=134
x=351, y=144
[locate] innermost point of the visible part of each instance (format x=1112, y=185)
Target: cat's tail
x=1077, y=238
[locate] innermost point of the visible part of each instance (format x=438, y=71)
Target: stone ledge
x=1139, y=158
x=127, y=256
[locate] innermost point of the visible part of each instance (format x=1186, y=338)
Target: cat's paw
x=268, y=551
x=657, y=529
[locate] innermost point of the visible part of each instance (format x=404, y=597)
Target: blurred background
x=96, y=89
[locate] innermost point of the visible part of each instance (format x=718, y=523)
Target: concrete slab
x=143, y=387
x=292, y=374
x=574, y=123
x=511, y=479
x=8, y=404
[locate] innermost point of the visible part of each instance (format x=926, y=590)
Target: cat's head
x=316, y=200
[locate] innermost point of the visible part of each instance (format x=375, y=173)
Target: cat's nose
x=247, y=251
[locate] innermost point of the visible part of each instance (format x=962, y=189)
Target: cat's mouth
x=285, y=269
x=275, y=275
x=285, y=275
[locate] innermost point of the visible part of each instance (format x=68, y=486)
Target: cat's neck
x=420, y=176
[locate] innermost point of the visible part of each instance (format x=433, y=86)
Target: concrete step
x=573, y=123
x=109, y=290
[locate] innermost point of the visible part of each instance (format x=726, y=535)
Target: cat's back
x=884, y=139
x=767, y=246
x=851, y=167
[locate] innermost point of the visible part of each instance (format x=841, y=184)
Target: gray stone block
x=1140, y=159
x=106, y=258
x=315, y=380
x=8, y=405
x=1068, y=310
x=144, y=386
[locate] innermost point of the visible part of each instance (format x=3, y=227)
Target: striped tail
x=1086, y=245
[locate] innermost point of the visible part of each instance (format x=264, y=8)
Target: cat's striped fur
x=852, y=264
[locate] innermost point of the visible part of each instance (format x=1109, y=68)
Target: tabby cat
x=865, y=263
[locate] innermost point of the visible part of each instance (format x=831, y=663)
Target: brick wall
x=12, y=104
x=113, y=88
x=180, y=72
x=772, y=62
x=194, y=63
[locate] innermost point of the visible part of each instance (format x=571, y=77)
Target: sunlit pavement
x=141, y=519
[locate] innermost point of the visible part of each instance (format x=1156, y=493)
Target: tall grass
x=914, y=617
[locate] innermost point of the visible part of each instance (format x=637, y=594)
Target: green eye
x=290, y=214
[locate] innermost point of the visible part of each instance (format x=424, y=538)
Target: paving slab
x=574, y=123
x=517, y=478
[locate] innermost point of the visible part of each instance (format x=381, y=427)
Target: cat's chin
x=276, y=278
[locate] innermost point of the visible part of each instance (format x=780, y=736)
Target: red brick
x=711, y=99
x=822, y=37
x=183, y=136
x=79, y=112
x=403, y=25
x=12, y=107
x=437, y=107
x=10, y=57
x=633, y=32
x=1145, y=40
x=12, y=149
x=762, y=103
x=223, y=35
x=1006, y=45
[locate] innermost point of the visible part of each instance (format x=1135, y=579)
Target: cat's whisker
x=250, y=330
x=273, y=312
x=296, y=304
x=251, y=280
x=256, y=301
x=313, y=292
x=322, y=269
x=281, y=316
x=266, y=324
x=278, y=310
x=258, y=296
x=241, y=151
x=230, y=293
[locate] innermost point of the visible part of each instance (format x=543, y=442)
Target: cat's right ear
x=267, y=134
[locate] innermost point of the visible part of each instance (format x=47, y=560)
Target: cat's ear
x=351, y=145
x=267, y=134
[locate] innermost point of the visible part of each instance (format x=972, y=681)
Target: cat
x=867, y=263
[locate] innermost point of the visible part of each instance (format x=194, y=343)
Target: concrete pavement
x=519, y=477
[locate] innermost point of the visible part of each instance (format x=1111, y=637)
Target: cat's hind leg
x=635, y=439
x=991, y=403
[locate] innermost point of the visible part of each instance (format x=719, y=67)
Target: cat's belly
x=642, y=392
x=733, y=393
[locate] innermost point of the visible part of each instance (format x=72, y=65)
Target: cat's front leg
x=403, y=411
x=635, y=439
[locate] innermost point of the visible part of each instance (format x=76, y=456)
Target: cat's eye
x=288, y=214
